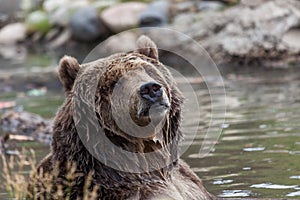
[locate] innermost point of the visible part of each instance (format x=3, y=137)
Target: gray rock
x=157, y=14
x=60, y=12
x=86, y=25
x=245, y=33
x=292, y=39
x=12, y=33
x=123, y=16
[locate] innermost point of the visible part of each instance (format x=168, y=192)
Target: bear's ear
x=67, y=70
x=147, y=47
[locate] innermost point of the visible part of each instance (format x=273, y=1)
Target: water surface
x=258, y=153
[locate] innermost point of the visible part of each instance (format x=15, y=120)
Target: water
x=258, y=153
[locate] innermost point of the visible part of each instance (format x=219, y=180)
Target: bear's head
x=131, y=96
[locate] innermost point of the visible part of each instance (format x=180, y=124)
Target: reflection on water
x=258, y=152
x=235, y=193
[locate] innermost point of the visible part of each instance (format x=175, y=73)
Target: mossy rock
x=38, y=21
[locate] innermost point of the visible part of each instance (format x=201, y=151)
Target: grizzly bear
x=117, y=133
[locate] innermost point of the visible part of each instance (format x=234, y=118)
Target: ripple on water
x=254, y=149
x=293, y=194
x=273, y=186
x=235, y=193
x=294, y=152
x=295, y=177
x=221, y=182
x=247, y=168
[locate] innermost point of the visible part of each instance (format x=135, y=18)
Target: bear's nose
x=151, y=91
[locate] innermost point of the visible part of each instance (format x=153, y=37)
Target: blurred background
x=255, y=43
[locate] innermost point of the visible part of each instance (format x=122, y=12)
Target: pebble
x=85, y=25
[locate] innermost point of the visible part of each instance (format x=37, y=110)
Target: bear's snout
x=152, y=92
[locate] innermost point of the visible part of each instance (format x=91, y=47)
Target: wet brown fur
x=175, y=181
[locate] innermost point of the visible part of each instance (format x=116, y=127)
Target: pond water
x=258, y=153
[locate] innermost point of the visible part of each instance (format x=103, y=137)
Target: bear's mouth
x=154, y=110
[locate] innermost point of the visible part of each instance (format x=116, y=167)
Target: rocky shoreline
x=267, y=32
x=244, y=32
x=18, y=126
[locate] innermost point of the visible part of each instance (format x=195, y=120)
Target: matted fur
x=175, y=181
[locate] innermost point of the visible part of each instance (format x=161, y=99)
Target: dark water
x=258, y=153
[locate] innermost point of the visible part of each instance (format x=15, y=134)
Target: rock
x=13, y=52
x=157, y=14
x=12, y=33
x=30, y=5
x=123, y=16
x=26, y=124
x=61, y=16
x=243, y=33
x=61, y=39
x=38, y=21
x=60, y=12
x=85, y=25
x=253, y=3
x=292, y=39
